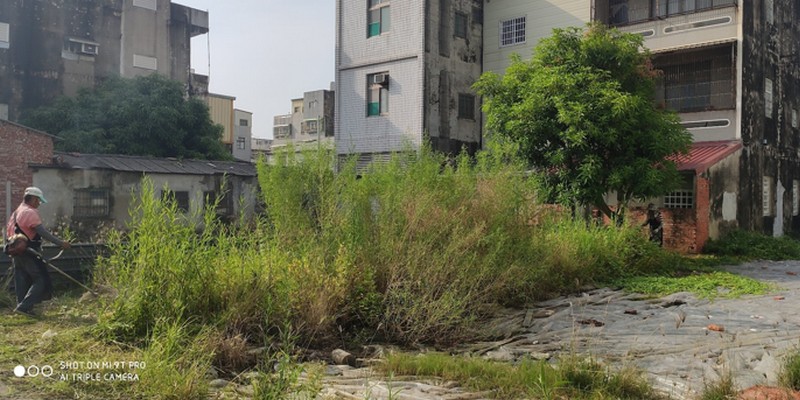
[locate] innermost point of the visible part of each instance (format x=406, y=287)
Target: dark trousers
x=31, y=282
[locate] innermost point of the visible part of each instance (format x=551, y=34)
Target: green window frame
x=378, y=17
x=377, y=94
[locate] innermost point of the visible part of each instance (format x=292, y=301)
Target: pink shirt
x=27, y=218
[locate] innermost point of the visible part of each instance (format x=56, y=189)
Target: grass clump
x=722, y=389
x=790, y=370
x=704, y=285
x=754, y=246
x=569, y=378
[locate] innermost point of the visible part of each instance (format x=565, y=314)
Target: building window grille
x=244, y=122
x=378, y=18
x=679, y=199
x=240, y=143
x=698, y=81
x=466, y=106
x=179, y=197
x=460, y=25
x=282, y=132
x=309, y=127
x=795, y=197
x=5, y=35
x=512, y=31
x=91, y=203
x=377, y=94
x=794, y=118
x=622, y=12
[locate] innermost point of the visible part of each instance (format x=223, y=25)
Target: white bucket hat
x=34, y=191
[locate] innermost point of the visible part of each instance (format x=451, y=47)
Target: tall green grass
x=414, y=250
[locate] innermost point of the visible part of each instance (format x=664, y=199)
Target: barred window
x=466, y=106
x=683, y=197
x=512, y=31
x=679, y=199
x=91, y=203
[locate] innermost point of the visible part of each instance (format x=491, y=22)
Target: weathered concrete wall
x=452, y=65
x=723, y=180
x=125, y=186
x=20, y=147
x=771, y=141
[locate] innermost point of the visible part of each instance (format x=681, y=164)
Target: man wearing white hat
x=31, y=280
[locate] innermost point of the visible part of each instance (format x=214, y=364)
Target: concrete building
x=404, y=72
x=54, y=48
x=730, y=71
x=243, y=135
x=98, y=189
x=260, y=148
x=310, y=122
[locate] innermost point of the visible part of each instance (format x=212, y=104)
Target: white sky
x=266, y=52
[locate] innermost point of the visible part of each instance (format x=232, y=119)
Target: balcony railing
x=626, y=12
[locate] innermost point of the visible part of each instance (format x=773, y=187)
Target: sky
x=265, y=52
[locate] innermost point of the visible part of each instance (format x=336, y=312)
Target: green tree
x=147, y=115
x=583, y=113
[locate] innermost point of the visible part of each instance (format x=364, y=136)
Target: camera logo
x=33, y=371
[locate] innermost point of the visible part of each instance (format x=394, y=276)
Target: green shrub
x=754, y=246
x=790, y=370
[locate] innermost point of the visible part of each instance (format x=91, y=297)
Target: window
x=281, y=132
x=240, y=143
x=702, y=81
x=769, y=11
x=5, y=35
x=90, y=203
x=80, y=47
x=244, y=122
x=766, y=196
x=460, y=25
x=148, y=4
x=466, y=106
x=512, y=31
x=794, y=118
x=145, y=62
x=180, y=199
x=795, y=197
x=309, y=126
x=768, y=100
x=679, y=199
x=477, y=12
x=377, y=94
x=4, y=111
x=683, y=197
x=378, y=18
x=622, y=12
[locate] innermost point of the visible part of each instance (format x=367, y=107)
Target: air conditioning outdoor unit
x=380, y=78
x=88, y=48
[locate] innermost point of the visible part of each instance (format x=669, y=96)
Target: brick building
x=21, y=147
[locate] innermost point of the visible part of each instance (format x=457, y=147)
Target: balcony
x=668, y=25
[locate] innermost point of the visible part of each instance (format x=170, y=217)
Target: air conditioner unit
x=380, y=79
x=88, y=48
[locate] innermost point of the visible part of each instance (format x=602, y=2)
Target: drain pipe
x=8, y=201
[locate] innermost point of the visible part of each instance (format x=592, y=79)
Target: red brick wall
x=20, y=146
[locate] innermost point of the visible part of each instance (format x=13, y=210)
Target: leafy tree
x=583, y=112
x=146, y=115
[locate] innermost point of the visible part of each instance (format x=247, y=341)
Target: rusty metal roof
x=150, y=165
x=703, y=155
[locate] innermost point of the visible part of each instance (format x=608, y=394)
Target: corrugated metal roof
x=150, y=165
x=703, y=155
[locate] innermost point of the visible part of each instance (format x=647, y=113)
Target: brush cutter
x=49, y=264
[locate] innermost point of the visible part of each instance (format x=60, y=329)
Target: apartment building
x=310, y=122
x=54, y=48
x=730, y=70
x=404, y=72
